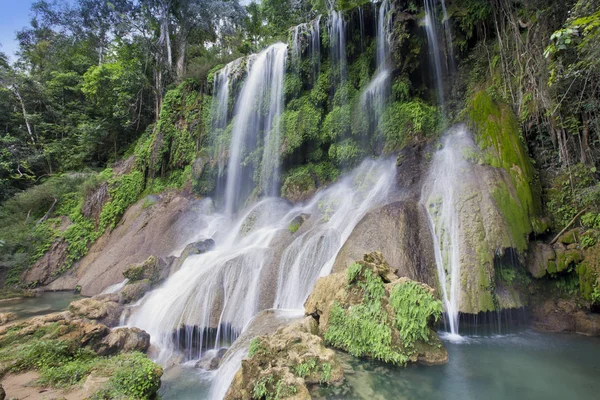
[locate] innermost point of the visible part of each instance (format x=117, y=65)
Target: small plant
x=294, y=226
x=255, y=347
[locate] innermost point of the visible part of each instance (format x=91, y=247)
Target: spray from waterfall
x=263, y=86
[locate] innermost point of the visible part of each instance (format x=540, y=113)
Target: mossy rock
x=567, y=258
x=369, y=312
x=149, y=269
x=496, y=131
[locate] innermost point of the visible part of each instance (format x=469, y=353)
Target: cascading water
x=441, y=196
x=336, y=27
x=221, y=87
x=207, y=304
x=263, y=85
x=440, y=46
x=310, y=34
x=375, y=96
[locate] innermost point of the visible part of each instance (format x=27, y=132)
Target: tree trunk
x=18, y=95
x=584, y=143
x=181, y=59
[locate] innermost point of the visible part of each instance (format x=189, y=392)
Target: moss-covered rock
x=65, y=349
x=538, y=258
x=281, y=365
x=369, y=312
x=497, y=134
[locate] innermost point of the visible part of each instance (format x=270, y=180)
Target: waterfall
x=310, y=34
x=342, y=206
x=375, y=96
x=263, y=86
x=209, y=301
x=336, y=28
x=443, y=62
x=220, y=112
x=441, y=195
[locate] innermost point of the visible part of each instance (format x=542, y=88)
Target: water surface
x=44, y=303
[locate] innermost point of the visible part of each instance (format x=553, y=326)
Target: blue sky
x=14, y=15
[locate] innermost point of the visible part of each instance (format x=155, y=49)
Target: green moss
x=496, y=131
x=517, y=223
x=307, y=178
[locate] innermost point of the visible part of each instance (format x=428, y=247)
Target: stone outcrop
x=286, y=362
x=539, y=257
x=44, y=270
x=564, y=316
x=124, y=339
x=200, y=247
x=400, y=232
x=335, y=296
x=7, y=317
x=104, y=309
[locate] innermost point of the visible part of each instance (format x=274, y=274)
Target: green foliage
x=415, y=308
x=307, y=178
x=571, y=192
x=255, y=347
x=405, y=121
x=132, y=376
x=363, y=329
x=270, y=388
x=294, y=226
x=124, y=191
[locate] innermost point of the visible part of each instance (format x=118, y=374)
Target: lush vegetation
x=365, y=327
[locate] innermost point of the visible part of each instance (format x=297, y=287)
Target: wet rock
x=7, y=317
x=285, y=363
x=132, y=292
x=411, y=167
x=538, y=258
x=124, y=339
x=564, y=258
x=103, y=311
x=211, y=360
x=400, y=231
x=150, y=270
x=191, y=249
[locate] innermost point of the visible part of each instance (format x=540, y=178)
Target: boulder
x=411, y=168
x=400, y=232
x=123, y=340
x=132, y=292
x=2, y=393
x=7, y=317
x=361, y=305
x=538, y=258
x=103, y=311
x=285, y=363
x=151, y=270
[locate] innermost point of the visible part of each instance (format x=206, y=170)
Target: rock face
x=539, y=257
x=400, y=231
x=43, y=271
x=564, y=316
x=368, y=311
x=142, y=232
x=285, y=363
x=124, y=339
x=105, y=310
x=191, y=249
